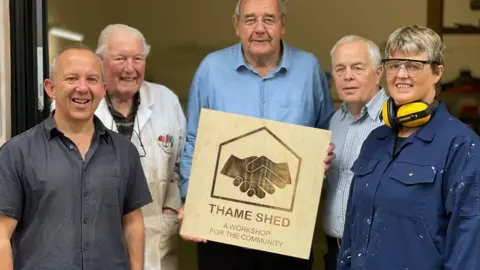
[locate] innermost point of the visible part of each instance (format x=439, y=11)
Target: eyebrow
x=358, y=63
x=94, y=75
x=270, y=15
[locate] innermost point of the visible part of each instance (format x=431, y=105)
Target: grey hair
x=373, y=50
x=76, y=46
x=416, y=39
x=114, y=29
x=282, y=7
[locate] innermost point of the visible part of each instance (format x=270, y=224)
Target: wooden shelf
x=461, y=30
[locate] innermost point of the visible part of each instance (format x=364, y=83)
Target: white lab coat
x=159, y=114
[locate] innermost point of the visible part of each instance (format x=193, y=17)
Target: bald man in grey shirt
x=71, y=189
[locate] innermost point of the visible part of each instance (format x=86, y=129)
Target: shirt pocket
x=363, y=166
x=112, y=191
x=408, y=188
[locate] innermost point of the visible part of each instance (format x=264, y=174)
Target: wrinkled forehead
x=259, y=8
x=125, y=44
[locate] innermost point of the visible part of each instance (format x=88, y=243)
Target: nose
x=259, y=27
x=402, y=72
x=82, y=86
x=129, y=65
x=348, y=74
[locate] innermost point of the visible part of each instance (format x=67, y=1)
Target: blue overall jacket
x=416, y=208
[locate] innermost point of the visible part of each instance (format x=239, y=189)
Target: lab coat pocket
x=166, y=147
x=164, y=161
x=168, y=243
x=161, y=242
x=169, y=224
x=409, y=189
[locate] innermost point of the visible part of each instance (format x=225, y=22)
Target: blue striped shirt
x=295, y=92
x=348, y=135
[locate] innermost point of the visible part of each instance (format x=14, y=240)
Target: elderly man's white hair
x=114, y=29
x=282, y=6
x=373, y=50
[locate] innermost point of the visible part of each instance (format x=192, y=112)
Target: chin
x=128, y=90
x=261, y=50
x=403, y=100
x=81, y=116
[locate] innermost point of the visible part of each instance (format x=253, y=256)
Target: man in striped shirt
x=357, y=70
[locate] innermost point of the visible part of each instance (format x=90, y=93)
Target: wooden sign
x=255, y=183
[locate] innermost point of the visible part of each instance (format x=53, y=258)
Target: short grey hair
x=114, y=29
x=373, y=50
x=416, y=39
x=75, y=46
x=282, y=7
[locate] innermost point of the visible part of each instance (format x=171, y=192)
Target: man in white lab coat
x=151, y=116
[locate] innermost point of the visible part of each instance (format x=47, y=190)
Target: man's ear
x=104, y=90
x=379, y=73
x=49, y=87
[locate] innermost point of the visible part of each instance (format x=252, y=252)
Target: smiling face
x=124, y=63
x=260, y=27
x=77, y=86
x=356, y=79
x=404, y=87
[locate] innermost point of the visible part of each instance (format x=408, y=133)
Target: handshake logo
x=257, y=175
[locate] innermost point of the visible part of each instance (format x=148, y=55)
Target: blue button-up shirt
x=295, y=92
x=418, y=208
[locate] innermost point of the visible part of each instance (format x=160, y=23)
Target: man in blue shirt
x=415, y=196
x=261, y=77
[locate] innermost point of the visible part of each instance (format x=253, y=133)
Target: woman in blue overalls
x=415, y=197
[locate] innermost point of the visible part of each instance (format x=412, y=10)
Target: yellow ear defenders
x=412, y=114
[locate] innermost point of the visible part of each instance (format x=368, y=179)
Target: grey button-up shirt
x=70, y=210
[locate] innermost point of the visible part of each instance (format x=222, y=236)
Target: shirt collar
x=51, y=130
x=134, y=108
x=136, y=98
x=373, y=107
x=427, y=132
x=284, y=63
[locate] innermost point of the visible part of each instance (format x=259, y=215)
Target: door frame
x=29, y=63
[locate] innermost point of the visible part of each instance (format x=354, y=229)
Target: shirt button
x=85, y=195
x=85, y=221
x=263, y=101
x=85, y=248
x=71, y=146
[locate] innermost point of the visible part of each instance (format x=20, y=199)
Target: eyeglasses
x=143, y=153
x=412, y=67
x=268, y=21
